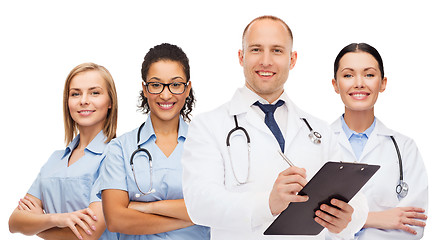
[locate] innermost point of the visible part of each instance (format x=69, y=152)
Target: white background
x=41, y=41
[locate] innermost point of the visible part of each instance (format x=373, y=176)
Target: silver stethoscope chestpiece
x=402, y=189
x=315, y=137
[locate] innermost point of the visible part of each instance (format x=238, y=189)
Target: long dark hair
x=166, y=51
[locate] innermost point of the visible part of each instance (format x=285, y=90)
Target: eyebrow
x=259, y=45
x=172, y=79
x=351, y=69
x=91, y=88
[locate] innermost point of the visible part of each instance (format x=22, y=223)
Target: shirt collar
x=249, y=97
x=97, y=145
x=349, y=132
x=148, y=132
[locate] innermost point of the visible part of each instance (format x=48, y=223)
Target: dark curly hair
x=166, y=51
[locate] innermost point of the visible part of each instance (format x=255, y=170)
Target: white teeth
x=165, y=105
x=359, y=95
x=266, y=74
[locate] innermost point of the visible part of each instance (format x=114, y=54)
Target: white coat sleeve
x=208, y=202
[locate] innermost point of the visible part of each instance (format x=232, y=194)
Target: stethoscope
x=402, y=187
x=139, y=149
x=315, y=137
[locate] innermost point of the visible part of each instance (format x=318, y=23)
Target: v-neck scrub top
x=167, y=175
x=62, y=188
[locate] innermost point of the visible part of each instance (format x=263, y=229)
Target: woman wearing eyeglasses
x=141, y=180
x=62, y=201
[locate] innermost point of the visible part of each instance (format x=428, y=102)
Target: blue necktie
x=269, y=110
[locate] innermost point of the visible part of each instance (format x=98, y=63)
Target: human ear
x=293, y=58
x=240, y=57
x=334, y=84
x=383, y=85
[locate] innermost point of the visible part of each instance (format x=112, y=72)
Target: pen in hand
x=285, y=158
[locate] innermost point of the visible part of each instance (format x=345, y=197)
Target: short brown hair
x=110, y=126
x=274, y=18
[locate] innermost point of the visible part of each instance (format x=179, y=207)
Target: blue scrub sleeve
x=112, y=171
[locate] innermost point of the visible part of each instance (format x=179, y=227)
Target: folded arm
x=29, y=219
x=120, y=218
x=168, y=208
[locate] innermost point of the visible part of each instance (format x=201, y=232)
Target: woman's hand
x=74, y=219
x=397, y=218
x=29, y=204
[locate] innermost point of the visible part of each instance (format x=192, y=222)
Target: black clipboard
x=338, y=180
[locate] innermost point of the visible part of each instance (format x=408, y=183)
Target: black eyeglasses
x=174, y=87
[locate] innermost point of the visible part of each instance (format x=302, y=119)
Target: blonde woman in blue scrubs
x=62, y=201
x=144, y=200
x=393, y=214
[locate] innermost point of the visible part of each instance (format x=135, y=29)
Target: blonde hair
x=110, y=126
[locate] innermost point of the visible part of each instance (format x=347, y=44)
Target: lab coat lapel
x=294, y=123
x=239, y=105
x=374, y=139
x=342, y=138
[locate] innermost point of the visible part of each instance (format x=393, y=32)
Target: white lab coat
x=212, y=195
x=381, y=188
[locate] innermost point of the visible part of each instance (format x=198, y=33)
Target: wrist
x=372, y=220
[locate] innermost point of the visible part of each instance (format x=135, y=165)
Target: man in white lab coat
x=239, y=190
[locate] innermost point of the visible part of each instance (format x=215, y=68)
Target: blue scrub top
x=62, y=188
x=116, y=173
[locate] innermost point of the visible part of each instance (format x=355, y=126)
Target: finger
x=296, y=198
x=78, y=221
x=75, y=231
x=416, y=215
x=23, y=205
x=335, y=212
x=294, y=171
x=27, y=202
x=413, y=209
x=327, y=225
x=326, y=217
x=408, y=229
x=414, y=222
x=91, y=213
x=32, y=204
x=88, y=220
x=345, y=207
x=292, y=179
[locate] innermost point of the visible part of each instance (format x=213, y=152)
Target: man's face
x=267, y=58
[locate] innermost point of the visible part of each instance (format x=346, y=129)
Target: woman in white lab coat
x=395, y=212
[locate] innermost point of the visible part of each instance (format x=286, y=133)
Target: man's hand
x=334, y=219
x=285, y=189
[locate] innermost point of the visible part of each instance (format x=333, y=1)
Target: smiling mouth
x=85, y=112
x=265, y=74
x=359, y=95
x=166, y=105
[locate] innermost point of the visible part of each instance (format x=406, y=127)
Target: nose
x=359, y=82
x=166, y=94
x=266, y=59
x=84, y=100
